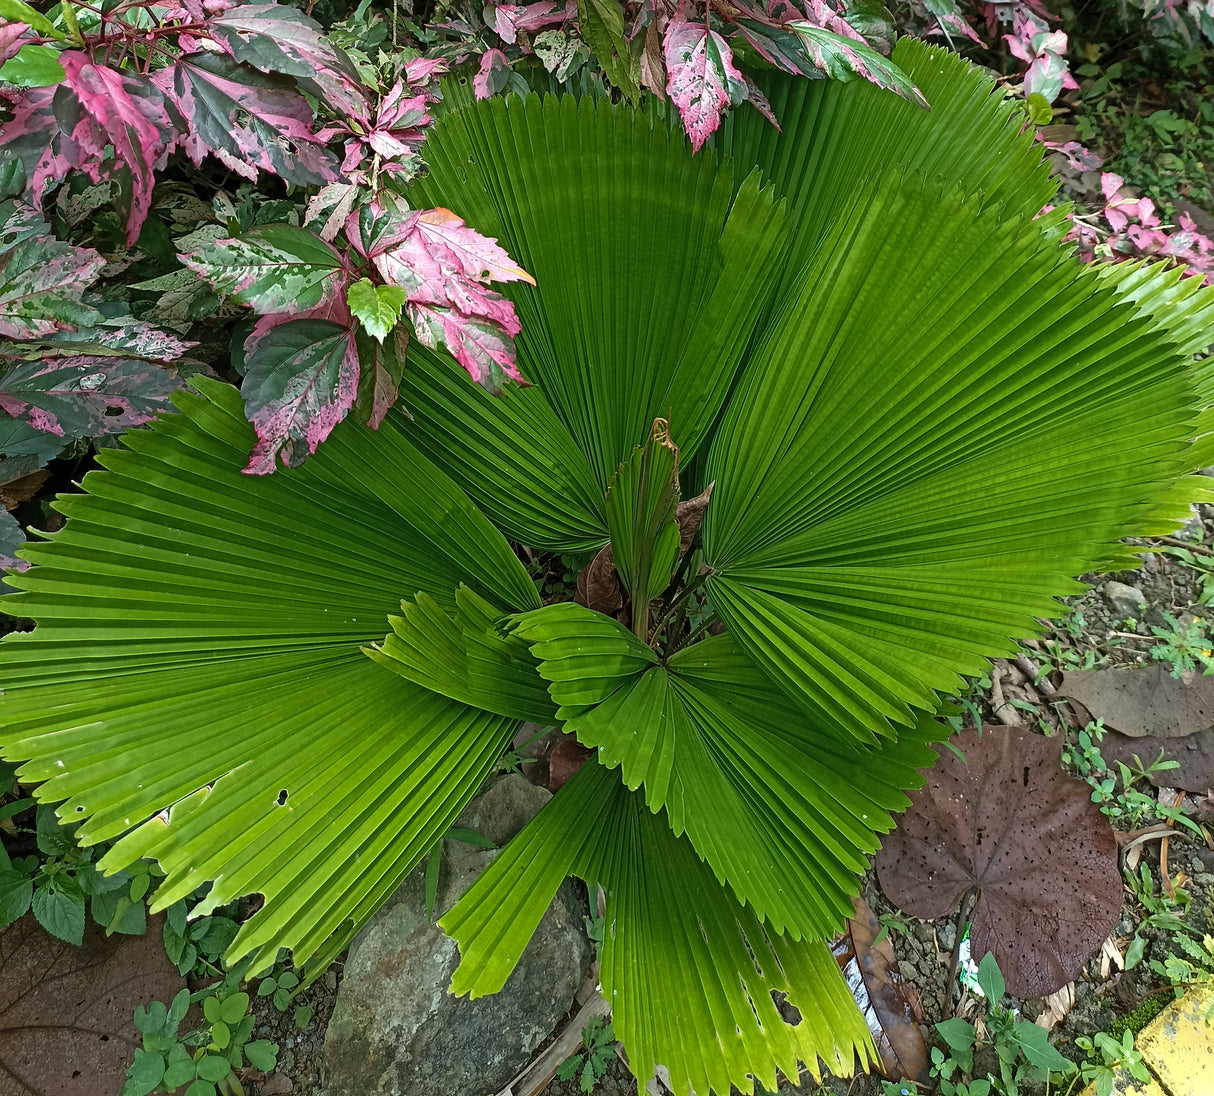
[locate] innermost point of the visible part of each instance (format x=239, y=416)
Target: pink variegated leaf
x=701, y=77
x=507, y=20
x=279, y=38
x=32, y=137
x=380, y=368
x=131, y=112
x=479, y=257
x=482, y=347
x=842, y=57
x=759, y=101
x=430, y=276
x=121, y=337
x=431, y=273
x=249, y=121
x=19, y=221
x=424, y=70
x=380, y=224
x=778, y=46
x=492, y=75
x=41, y=282
x=12, y=536
x=300, y=382
x=821, y=14
x=10, y=38
x=275, y=270
x=86, y=396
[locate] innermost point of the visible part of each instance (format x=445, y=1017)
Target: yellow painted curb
x=1178, y=1046
x=1178, y=1049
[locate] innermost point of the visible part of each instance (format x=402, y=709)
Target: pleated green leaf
x=783, y=812
x=890, y=413
x=834, y=138
x=466, y=658
x=651, y=273
x=583, y=655
x=675, y=945
x=196, y=682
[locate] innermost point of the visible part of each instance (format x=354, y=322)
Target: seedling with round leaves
x=852, y=329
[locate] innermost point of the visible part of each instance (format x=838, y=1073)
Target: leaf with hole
x=1041, y=858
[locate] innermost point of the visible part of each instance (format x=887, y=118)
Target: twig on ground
x=967, y=903
x=1003, y=711
x=1036, y=679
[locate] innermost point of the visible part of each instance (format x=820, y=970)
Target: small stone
x=1126, y=601
x=923, y=933
x=330, y=980
x=396, y=1031
x=946, y=935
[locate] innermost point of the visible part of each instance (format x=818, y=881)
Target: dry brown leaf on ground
x=67, y=1013
x=1056, y=1007
x=1193, y=754
x=1146, y=701
x=1009, y=822
x=890, y=1004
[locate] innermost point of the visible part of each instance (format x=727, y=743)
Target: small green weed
x=1200, y=560
x=207, y=1058
x=1116, y=789
x=281, y=985
x=62, y=883
x=1022, y=1048
x=1184, y=647
x=591, y=1064
x=1163, y=912
x=1106, y=1057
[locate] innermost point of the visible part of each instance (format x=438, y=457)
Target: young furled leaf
x=275, y=270
x=300, y=380
x=376, y=306
x=702, y=79
x=246, y=119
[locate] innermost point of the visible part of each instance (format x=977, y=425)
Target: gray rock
x=396, y=1031
x=1126, y=601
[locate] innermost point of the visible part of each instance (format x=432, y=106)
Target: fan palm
x=919, y=418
